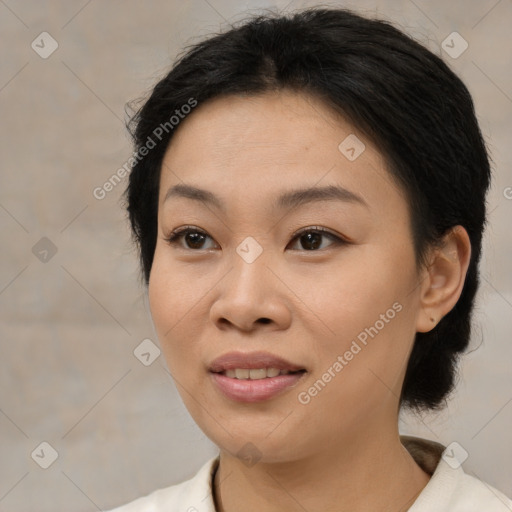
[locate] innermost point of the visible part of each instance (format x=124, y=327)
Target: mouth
x=254, y=377
x=256, y=373
x=249, y=390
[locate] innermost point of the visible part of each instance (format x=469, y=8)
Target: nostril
x=264, y=320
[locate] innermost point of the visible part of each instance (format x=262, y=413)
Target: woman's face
x=341, y=304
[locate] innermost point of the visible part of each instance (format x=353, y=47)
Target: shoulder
x=193, y=495
x=451, y=489
x=472, y=492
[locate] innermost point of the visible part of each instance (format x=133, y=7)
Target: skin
x=341, y=451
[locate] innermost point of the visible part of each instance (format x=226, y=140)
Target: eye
x=193, y=236
x=310, y=238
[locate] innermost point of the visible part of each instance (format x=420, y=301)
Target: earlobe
x=444, y=279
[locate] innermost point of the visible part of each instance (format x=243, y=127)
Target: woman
x=308, y=198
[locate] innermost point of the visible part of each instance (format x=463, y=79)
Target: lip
x=251, y=360
x=257, y=390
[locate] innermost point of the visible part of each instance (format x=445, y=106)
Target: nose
x=251, y=295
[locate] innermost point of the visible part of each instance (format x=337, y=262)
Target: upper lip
x=251, y=360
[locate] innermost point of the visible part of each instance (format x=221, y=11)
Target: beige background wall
x=70, y=323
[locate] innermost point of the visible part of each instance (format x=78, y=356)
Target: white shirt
x=449, y=489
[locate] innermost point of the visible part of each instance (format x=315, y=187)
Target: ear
x=444, y=278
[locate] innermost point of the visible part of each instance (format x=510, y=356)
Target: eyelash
x=177, y=235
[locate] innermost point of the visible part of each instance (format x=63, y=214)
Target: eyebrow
x=289, y=199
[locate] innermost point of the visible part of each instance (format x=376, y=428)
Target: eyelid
x=174, y=237
x=336, y=239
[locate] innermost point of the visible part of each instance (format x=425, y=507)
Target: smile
x=255, y=373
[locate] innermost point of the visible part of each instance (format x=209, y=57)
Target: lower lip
x=257, y=390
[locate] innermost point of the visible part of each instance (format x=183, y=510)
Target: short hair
x=405, y=99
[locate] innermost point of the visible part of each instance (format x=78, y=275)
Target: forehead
x=242, y=146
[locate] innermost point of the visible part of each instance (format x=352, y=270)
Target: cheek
x=369, y=306
x=174, y=298
x=175, y=290
x=357, y=289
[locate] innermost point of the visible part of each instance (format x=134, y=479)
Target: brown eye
x=311, y=238
x=193, y=238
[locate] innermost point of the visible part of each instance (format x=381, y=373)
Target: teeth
x=257, y=374
x=254, y=374
x=242, y=374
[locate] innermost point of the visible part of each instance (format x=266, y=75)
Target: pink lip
x=254, y=390
x=251, y=360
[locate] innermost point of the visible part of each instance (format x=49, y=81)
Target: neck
x=358, y=474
